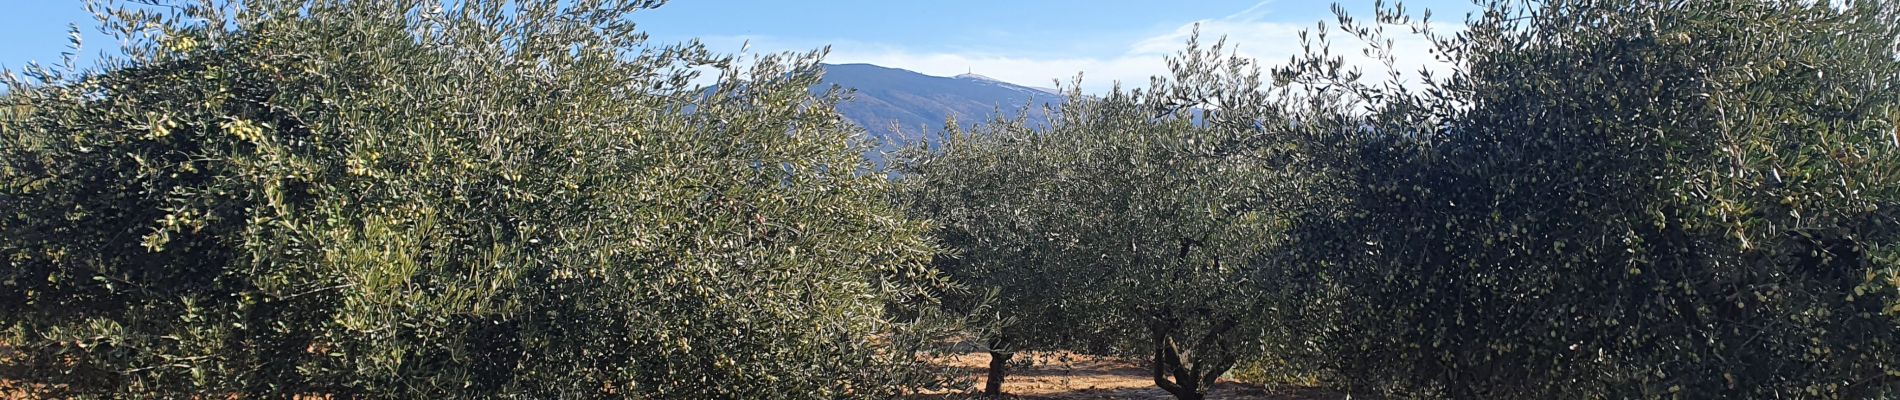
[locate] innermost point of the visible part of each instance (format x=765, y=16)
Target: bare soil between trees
x=1061, y=375
x=1033, y=375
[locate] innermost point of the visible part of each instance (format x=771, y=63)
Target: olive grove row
x=418, y=198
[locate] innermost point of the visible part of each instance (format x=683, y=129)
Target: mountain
x=897, y=106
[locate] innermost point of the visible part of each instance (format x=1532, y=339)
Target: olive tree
x=1141, y=222
x=983, y=188
x=1619, y=199
x=424, y=199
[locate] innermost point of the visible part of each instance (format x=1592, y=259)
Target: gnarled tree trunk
x=1191, y=378
x=999, y=365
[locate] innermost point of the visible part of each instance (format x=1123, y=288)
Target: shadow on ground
x=1074, y=376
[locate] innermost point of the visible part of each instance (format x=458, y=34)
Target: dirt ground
x=1073, y=376
x=1041, y=375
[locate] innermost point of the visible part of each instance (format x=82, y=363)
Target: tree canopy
x=1615, y=199
x=417, y=199
x=1596, y=199
x=420, y=198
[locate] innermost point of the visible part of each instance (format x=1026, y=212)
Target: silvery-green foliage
x=1608, y=199
x=426, y=198
x=1146, y=223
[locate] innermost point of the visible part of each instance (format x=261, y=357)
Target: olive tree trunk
x=1190, y=378
x=999, y=367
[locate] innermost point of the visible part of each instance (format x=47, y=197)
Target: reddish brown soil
x=1047, y=375
x=8, y=389
x=1075, y=376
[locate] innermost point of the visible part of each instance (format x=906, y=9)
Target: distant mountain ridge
x=897, y=106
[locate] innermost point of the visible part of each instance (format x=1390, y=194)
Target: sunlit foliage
x=422, y=198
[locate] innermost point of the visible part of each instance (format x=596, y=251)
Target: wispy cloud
x=1274, y=42
x=1250, y=33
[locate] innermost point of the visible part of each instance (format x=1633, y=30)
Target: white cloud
x=1272, y=43
x=1098, y=73
x=1249, y=33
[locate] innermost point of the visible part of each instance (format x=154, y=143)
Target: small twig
x=346, y=285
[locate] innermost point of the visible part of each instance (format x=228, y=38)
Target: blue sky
x=35, y=30
x=1026, y=42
